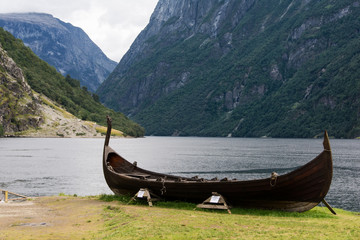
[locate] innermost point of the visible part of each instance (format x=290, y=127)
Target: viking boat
x=296, y=191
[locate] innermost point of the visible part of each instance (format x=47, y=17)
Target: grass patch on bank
x=179, y=220
x=102, y=130
x=317, y=212
x=51, y=104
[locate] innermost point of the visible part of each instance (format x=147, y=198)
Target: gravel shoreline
x=54, y=217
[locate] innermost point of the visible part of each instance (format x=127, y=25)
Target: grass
x=179, y=220
x=51, y=104
x=114, y=132
x=115, y=217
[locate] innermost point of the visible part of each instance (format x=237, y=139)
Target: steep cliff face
x=171, y=23
x=176, y=20
x=19, y=108
x=62, y=45
x=242, y=68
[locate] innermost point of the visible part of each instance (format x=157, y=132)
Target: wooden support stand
x=4, y=196
x=145, y=193
x=216, y=201
x=328, y=206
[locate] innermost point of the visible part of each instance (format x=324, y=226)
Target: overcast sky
x=112, y=24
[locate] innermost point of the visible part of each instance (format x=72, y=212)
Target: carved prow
x=108, y=133
x=326, y=142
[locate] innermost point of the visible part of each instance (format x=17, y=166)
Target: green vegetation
x=65, y=91
x=72, y=217
x=317, y=212
x=16, y=106
x=291, y=70
x=1, y=131
x=169, y=220
x=114, y=132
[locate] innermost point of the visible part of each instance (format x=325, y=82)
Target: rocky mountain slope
x=62, y=45
x=243, y=68
x=19, y=108
x=23, y=112
x=36, y=100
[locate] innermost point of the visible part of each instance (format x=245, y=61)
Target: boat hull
x=299, y=190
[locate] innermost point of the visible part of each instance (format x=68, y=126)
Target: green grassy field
x=176, y=220
x=109, y=217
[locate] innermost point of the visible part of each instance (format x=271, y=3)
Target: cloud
x=112, y=24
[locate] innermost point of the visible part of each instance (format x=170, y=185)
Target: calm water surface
x=38, y=167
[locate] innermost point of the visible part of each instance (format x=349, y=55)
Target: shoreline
x=45, y=136
x=117, y=136
x=95, y=197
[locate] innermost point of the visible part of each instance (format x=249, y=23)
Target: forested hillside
x=243, y=68
x=66, y=91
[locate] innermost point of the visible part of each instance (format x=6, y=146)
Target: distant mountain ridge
x=247, y=68
x=67, y=48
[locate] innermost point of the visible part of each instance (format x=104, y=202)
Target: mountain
x=19, y=108
x=246, y=68
x=34, y=96
x=67, y=48
x=23, y=112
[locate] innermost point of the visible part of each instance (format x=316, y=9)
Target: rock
x=19, y=108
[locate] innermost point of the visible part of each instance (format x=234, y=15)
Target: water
x=39, y=167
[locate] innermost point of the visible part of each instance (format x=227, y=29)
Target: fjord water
x=40, y=167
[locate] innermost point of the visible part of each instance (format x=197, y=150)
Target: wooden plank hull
x=299, y=190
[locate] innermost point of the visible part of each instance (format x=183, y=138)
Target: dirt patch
x=51, y=218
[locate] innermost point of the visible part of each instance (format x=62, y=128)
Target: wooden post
x=329, y=207
x=5, y=196
x=21, y=196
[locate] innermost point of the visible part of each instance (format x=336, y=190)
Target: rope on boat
x=273, y=179
x=163, y=189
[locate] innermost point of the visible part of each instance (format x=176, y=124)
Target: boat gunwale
x=190, y=180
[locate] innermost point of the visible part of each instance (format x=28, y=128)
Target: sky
x=112, y=24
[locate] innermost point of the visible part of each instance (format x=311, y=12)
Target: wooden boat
x=296, y=191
